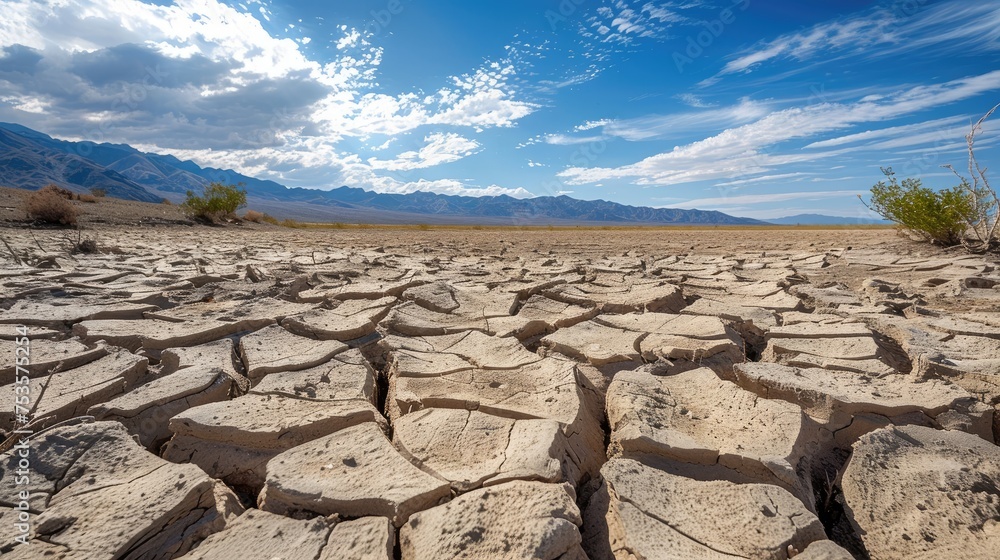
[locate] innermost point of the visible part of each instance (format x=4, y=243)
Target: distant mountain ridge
x=823, y=220
x=30, y=159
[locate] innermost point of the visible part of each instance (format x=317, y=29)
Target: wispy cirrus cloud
x=740, y=151
x=947, y=26
x=915, y=133
x=660, y=126
x=750, y=199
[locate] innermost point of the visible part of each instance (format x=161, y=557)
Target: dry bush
x=253, y=216
x=166, y=202
x=87, y=198
x=99, y=192
x=290, y=223
x=59, y=191
x=51, y=206
x=260, y=218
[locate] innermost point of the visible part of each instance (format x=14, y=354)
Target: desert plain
x=253, y=391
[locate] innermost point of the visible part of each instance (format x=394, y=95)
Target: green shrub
x=940, y=217
x=968, y=213
x=216, y=203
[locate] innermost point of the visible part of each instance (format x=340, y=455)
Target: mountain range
x=30, y=159
x=823, y=220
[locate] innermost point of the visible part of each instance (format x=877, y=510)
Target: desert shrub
x=937, y=216
x=968, y=213
x=217, y=202
x=51, y=206
x=166, y=202
x=99, y=192
x=87, y=198
x=290, y=223
x=259, y=217
x=58, y=191
x=984, y=219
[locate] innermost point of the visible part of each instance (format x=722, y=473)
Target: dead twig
x=17, y=259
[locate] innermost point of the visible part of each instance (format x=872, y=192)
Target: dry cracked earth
x=205, y=393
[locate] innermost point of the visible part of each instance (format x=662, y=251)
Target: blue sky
x=755, y=108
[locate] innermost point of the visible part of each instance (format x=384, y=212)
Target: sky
x=755, y=108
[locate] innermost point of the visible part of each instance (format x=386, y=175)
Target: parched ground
x=422, y=393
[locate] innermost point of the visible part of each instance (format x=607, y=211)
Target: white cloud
x=943, y=128
x=694, y=101
x=738, y=151
x=439, y=148
x=590, y=125
x=223, y=34
x=226, y=92
x=947, y=26
x=565, y=140
x=446, y=186
x=751, y=199
x=763, y=179
x=659, y=126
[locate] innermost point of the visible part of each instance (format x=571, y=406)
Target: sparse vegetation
x=87, y=198
x=966, y=214
x=51, y=204
x=99, y=192
x=290, y=223
x=260, y=218
x=217, y=202
x=984, y=218
x=937, y=216
x=254, y=216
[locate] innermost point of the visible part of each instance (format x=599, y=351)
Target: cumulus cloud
x=439, y=148
x=205, y=78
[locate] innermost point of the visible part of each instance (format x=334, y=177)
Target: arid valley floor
x=257, y=392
